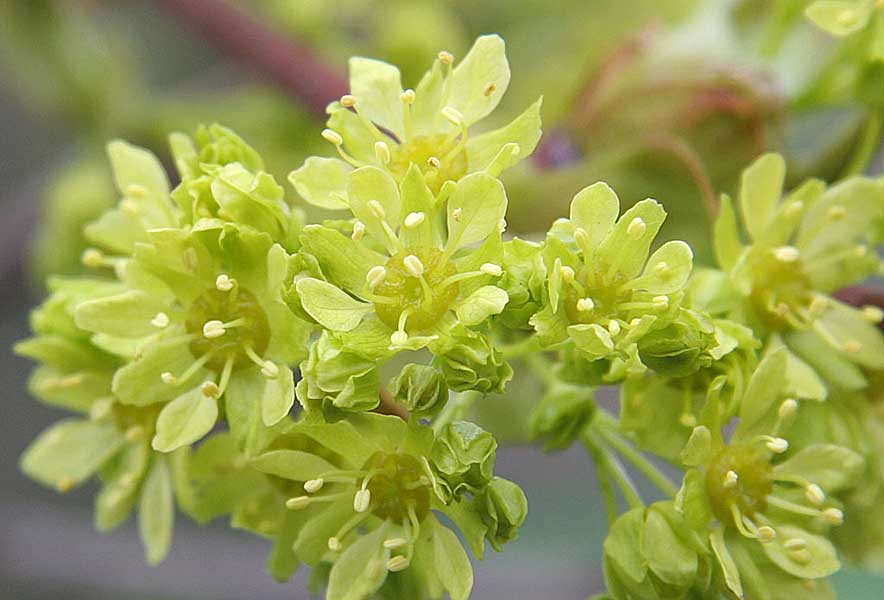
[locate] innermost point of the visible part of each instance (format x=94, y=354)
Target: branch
x=388, y=406
x=292, y=66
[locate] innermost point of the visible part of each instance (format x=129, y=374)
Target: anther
x=636, y=228
x=130, y=206
x=689, y=420
x=613, y=326
x=836, y=212
x=134, y=433
x=491, y=269
x=298, y=502
x=397, y=563
x=414, y=219
x=399, y=338
x=489, y=88
x=794, y=208
x=795, y=544
x=358, y=231
x=334, y=544
x=581, y=237
x=224, y=283
x=161, y=320
x=407, y=97
x=394, y=543
x=375, y=276
x=377, y=209
x=852, y=347
x=818, y=306
x=92, y=258
x=312, y=486
x=332, y=136
x=788, y=408
x=434, y=162
x=453, y=116
x=210, y=389
x=382, y=152
x=802, y=556
x=457, y=214
x=834, y=516
x=413, y=265
x=348, y=100
x=873, y=314
x=213, y=329
x=787, y=254
x=567, y=273
x=585, y=305
x=766, y=534
x=847, y=18
x=65, y=484
x=270, y=370
x=660, y=302
x=860, y=251
x=661, y=268
x=446, y=57
x=814, y=494
x=730, y=479
x=777, y=445
x=361, y=500
x=168, y=378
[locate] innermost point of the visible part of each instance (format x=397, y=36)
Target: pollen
x=382, y=152
x=399, y=338
x=585, y=305
x=873, y=314
x=434, y=162
x=613, y=326
x=397, y=563
x=836, y=212
x=407, y=97
x=332, y=136
x=581, y=237
x=636, y=228
x=348, y=100
x=361, y=500
x=375, y=276
x=161, y=320
x=730, y=479
x=567, y=273
x=66, y=484
x=298, y=502
x=794, y=209
x=393, y=543
x=92, y=258
x=795, y=544
x=313, y=485
x=777, y=445
x=213, y=329
x=814, y=494
x=662, y=268
x=766, y=534
x=358, y=231
x=168, y=378
x=788, y=408
x=833, y=516
x=377, y=209
x=453, y=116
x=270, y=370
x=688, y=420
x=660, y=302
x=852, y=347
x=414, y=219
x=446, y=57
x=457, y=214
x=334, y=544
x=210, y=389
x=224, y=283
x=130, y=206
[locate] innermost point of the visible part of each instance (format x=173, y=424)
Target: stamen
x=660, y=302
x=636, y=228
x=836, y=212
x=224, y=283
x=457, y=214
x=795, y=544
x=361, y=500
x=213, y=329
x=65, y=484
x=270, y=369
x=332, y=136
x=394, y=543
x=407, y=97
x=134, y=433
x=794, y=208
x=787, y=254
x=446, y=57
x=130, y=206
x=776, y=445
x=567, y=273
x=730, y=479
x=788, y=408
x=168, y=378
x=397, y=563
x=662, y=268
x=585, y=305
x=791, y=507
x=834, y=516
x=414, y=219
x=161, y=320
x=491, y=269
x=434, y=162
x=313, y=485
x=210, y=389
x=382, y=152
x=298, y=502
x=689, y=420
x=375, y=276
x=740, y=524
x=334, y=544
x=766, y=534
x=413, y=265
x=377, y=209
x=873, y=314
x=582, y=238
x=358, y=231
x=852, y=347
x=489, y=88
x=847, y=18
x=171, y=379
x=399, y=338
x=348, y=100
x=614, y=327
x=815, y=494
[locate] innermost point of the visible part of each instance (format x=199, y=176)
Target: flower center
x=424, y=297
x=605, y=299
x=397, y=483
x=438, y=157
x=779, y=289
x=739, y=476
x=248, y=330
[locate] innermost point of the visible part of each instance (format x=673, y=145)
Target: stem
x=868, y=144
x=604, y=479
x=608, y=429
x=293, y=67
x=529, y=345
x=611, y=466
x=389, y=406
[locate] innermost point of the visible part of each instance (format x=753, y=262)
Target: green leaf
x=623, y=545
x=831, y=467
x=69, y=452
x=292, y=464
x=699, y=447
x=728, y=246
x=667, y=555
x=343, y=260
x=626, y=247
x=185, y=420
x=122, y=485
x=361, y=569
x=763, y=394
x=279, y=396
x=417, y=198
x=592, y=339
x=331, y=307
x=668, y=268
x=524, y=130
x=322, y=182
x=839, y=17
x=594, y=209
x=134, y=166
x=377, y=87
x=125, y=315
x=452, y=563
x=139, y=383
x=475, y=210
x=481, y=304
x=761, y=186
x=726, y=562
x=823, y=560
x=484, y=64
x=367, y=186
x=156, y=512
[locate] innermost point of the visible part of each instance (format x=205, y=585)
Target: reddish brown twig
x=389, y=406
x=291, y=66
x=862, y=295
